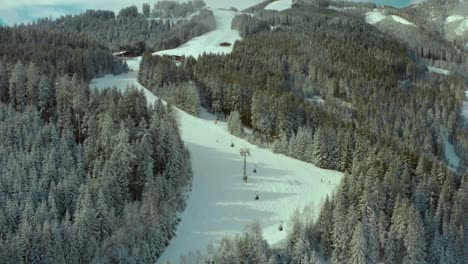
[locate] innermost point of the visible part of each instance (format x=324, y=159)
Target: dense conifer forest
x=87, y=176
x=132, y=31
x=100, y=176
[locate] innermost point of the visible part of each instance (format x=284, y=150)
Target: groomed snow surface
x=209, y=42
x=374, y=17
x=279, y=5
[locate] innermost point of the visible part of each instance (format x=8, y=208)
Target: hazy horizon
x=26, y=11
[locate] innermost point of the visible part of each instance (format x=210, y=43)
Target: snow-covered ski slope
x=220, y=203
x=209, y=42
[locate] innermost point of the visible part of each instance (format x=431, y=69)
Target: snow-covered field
x=279, y=5
x=209, y=42
x=374, y=17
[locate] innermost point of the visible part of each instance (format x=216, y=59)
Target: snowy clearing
x=209, y=42
x=279, y=5
x=455, y=18
x=438, y=70
x=374, y=17
x=220, y=203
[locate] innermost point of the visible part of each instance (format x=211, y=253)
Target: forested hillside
x=130, y=30
x=87, y=176
x=56, y=53
x=100, y=176
x=326, y=87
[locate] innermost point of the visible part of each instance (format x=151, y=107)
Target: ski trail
x=220, y=203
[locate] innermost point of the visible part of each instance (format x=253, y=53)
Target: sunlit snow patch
x=374, y=17
x=438, y=70
x=402, y=20
x=279, y=5
x=455, y=18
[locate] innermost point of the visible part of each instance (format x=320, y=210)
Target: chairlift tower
x=244, y=152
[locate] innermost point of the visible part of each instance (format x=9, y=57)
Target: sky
x=24, y=11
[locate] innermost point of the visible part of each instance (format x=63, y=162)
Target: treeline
x=169, y=9
x=56, y=53
x=101, y=181
x=130, y=30
x=163, y=77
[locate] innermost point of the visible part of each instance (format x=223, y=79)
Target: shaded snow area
x=209, y=42
x=438, y=70
x=374, y=17
x=220, y=203
x=133, y=63
x=450, y=154
x=279, y=5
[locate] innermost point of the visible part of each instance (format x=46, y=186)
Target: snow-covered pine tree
x=414, y=239
x=359, y=245
x=235, y=124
